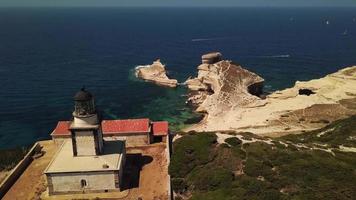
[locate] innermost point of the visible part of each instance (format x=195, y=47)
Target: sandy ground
x=282, y=111
x=153, y=176
x=31, y=183
x=221, y=137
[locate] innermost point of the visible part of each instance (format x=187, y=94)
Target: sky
x=178, y=3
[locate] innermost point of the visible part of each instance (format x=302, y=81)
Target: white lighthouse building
x=87, y=136
x=85, y=162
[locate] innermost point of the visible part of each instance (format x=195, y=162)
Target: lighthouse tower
x=86, y=132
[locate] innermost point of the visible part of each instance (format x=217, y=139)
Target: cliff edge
x=222, y=85
x=230, y=96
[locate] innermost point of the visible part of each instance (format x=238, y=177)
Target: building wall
x=71, y=182
x=85, y=143
x=123, y=163
x=101, y=142
x=59, y=140
x=131, y=139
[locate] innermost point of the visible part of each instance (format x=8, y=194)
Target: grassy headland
x=313, y=165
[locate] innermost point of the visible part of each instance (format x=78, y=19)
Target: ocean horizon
x=48, y=54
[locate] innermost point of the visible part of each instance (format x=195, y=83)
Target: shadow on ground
x=133, y=167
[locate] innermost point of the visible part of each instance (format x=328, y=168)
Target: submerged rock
x=155, y=73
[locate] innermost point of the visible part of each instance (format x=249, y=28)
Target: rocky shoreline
x=232, y=98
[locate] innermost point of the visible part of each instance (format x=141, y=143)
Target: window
x=83, y=183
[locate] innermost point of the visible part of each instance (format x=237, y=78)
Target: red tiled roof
x=126, y=126
x=62, y=128
x=160, y=128
x=110, y=127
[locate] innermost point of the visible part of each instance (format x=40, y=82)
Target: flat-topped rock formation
x=155, y=73
x=229, y=95
x=211, y=58
x=222, y=85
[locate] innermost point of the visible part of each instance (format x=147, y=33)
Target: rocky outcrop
x=230, y=94
x=155, y=73
x=211, y=58
x=222, y=85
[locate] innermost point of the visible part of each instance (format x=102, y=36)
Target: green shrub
x=248, y=135
x=224, y=146
x=257, y=168
x=191, y=151
x=210, y=178
x=238, y=152
x=233, y=141
x=179, y=185
x=10, y=157
x=213, y=171
x=220, y=194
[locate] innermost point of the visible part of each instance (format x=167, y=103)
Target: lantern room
x=83, y=103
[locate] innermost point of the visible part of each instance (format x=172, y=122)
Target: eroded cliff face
x=222, y=86
x=155, y=73
x=230, y=94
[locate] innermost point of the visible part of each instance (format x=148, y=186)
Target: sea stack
x=155, y=73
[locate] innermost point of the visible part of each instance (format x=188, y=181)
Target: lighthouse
x=82, y=163
x=85, y=128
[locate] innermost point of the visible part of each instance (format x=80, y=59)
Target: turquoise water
x=47, y=54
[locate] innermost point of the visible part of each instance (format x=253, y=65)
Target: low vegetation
x=10, y=157
x=288, y=168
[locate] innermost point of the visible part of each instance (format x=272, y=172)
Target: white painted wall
x=71, y=182
x=60, y=140
x=85, y=143
x=85, y=121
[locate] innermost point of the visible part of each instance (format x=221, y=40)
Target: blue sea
x=47, y=54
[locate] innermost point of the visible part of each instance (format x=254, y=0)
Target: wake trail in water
x=208, y=39
x=275, y=56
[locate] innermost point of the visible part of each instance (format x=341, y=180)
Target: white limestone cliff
x=229, y=95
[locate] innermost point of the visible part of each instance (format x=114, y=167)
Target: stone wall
x=71, y=182
x=168, y=156
x=132, y=140
x=18, y=170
